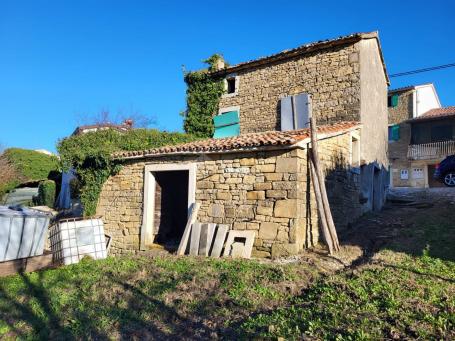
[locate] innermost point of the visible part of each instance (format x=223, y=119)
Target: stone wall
x=331, y=76
x=268, y=192
x=403, y=111
x=398, y=156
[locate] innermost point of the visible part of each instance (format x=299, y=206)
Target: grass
x=413, y=298
x=398, y=293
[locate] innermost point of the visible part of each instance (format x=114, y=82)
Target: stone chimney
x=128, y=123
x=219, y=64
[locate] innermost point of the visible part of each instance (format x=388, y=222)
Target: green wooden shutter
x=227, y=124
x=394, y=101
x=395, y=132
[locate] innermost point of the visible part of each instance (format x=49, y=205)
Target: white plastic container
x=22, y=233
x=72, y=239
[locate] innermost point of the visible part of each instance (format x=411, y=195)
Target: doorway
x=171, y=207
x=432, y=182
x=169, y=192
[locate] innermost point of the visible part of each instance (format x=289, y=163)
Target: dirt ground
x=397, y=227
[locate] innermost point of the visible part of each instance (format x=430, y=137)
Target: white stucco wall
x=425, y=98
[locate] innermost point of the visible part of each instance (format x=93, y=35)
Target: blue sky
x=64, y=61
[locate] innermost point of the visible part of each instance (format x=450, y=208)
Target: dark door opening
x=376, y=190
x=432, y=182
x=171, y=207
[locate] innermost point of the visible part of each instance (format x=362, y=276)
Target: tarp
x=64, y=197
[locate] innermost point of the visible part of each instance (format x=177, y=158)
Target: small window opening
x=392, y=101
x=230, y=85
x=240, y=240
x=355, y=152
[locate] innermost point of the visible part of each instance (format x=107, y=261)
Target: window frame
x=236, y=85
x=355, y=142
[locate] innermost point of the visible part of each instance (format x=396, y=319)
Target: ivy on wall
x=202, y=99
x=90, y=156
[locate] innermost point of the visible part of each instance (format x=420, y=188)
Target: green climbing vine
x=89, y=155
x=202, y=99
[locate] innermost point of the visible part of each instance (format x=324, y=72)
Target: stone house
x=404, y=105
x=258, y=179
x=430, y=138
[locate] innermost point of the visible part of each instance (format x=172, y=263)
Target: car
x=445, y=171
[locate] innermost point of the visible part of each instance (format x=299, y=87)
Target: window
x=404, y=174
x=417, y=173
x=230, y=85
x=392, y=101
x=355, y=152
x=394, y=132
x=227, y=124
x=295, y=112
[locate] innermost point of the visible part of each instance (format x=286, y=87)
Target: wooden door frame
x=148, y=216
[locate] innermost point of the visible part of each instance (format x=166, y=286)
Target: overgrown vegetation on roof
x=90, y=155
x=22, y=165
x=202, y=99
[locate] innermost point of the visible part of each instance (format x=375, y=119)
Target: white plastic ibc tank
x=22, y=233
x=72, y=239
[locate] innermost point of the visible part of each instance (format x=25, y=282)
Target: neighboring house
x=124, y=127
x=432, y=140
x=406, y=104
x=256, y=175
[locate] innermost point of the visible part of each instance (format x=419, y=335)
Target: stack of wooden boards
x=208, y=239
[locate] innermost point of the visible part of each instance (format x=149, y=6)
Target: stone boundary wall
x=268, y=192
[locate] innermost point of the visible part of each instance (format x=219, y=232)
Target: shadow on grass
x=406, y=229
x=134, y=310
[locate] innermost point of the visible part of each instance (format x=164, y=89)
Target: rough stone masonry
x=268, y=192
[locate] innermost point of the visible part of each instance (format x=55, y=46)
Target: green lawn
x=397, y=293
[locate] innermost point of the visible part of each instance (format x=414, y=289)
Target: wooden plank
x=320, y=207
x=205, y=242
x=211, y=234
x=219, y=240
x=26, y=264
x=323, y=190
x=186, y=234
x=194, y=240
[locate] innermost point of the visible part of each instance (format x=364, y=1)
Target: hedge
x=46, y=193
x=89, y=155
x=23, y=166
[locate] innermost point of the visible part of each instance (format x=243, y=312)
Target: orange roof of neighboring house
x=307, y=48
x=245, y=142
x=436, y=113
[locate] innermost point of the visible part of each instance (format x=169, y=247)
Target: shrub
x=90, y=156
x=46, y=193
x=22, y=165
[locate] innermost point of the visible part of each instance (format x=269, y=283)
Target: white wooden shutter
x=287, y=120
x=302, y=115
x=295, y=112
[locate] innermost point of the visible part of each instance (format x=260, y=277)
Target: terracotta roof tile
x=435, y=114
x=242, y=142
